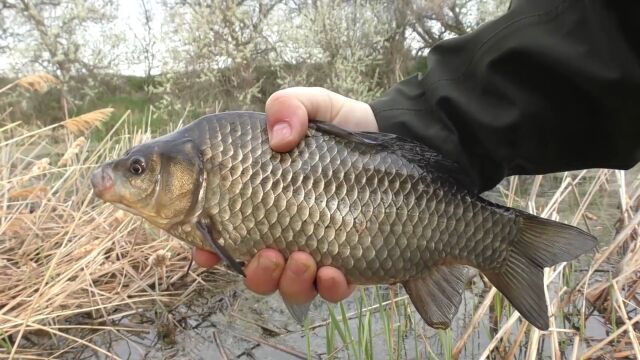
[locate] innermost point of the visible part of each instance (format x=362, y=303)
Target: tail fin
x=540, y=243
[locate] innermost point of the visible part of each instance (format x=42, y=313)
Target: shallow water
x=256, y=327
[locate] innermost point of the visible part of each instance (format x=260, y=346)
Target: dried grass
x=69, y=262
x=80, y=125
x=39, y=83
x=70, y=154
x=39, y=191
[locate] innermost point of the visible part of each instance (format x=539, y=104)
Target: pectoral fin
x=298, y=311
x=219, y=249
x=437, y=294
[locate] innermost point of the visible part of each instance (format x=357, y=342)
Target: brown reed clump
x=39, y=83
x=80, y=125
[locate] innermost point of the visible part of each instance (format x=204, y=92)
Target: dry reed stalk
x=10, y=126
x=71, y=152
x=40, y=293
x=496, y=339
x=39, y=167
x=80, y=125
x=617, y=241
x=221, y=348
x=28, y=134
x=516, y=343
x=576, y=347
x=561, y=193
x=555, y=354
x=39, y=191
x=598, y=294
x=600, y=179
x=6, y=327
x=532, y=348
x=477, y=316
x=622, y=310
x=614, y=335
x=56, y=332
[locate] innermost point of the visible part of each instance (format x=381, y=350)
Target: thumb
x=287, y=120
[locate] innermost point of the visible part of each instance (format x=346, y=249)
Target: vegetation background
x=83, y=80
x=199, y=56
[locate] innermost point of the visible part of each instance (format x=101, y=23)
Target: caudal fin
x=540, y=243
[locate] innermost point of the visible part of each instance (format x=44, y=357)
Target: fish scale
x=316, y=210
x=380, y=208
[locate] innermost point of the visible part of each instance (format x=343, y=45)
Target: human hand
x=289, y=110
x=288, y=113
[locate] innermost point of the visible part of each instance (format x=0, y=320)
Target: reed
x=38, y=83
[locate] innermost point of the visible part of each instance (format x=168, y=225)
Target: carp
x=381, y=208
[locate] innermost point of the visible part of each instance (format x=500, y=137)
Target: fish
x=381, y=208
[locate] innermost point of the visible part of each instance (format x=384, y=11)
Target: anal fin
x=437, y=294
x=298, y=311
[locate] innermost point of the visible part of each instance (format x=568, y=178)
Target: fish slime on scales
x=381, y=208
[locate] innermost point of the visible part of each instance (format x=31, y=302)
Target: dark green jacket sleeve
x=549, y=86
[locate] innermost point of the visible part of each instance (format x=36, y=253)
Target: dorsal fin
x=417, y=153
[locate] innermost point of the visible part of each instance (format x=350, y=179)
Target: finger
x=287, y=120
x=204, y=258
x=289, y=110
x=264, y=271
x=297, y=281
x=318, y=103
x=332, y=285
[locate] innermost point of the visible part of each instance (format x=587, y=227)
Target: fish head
x=162, y=181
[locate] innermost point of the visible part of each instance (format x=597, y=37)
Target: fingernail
x=281, y=130
x=269, y=265
x=330, y=282
x=298, y=268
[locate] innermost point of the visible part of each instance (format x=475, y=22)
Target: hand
x=288, y=113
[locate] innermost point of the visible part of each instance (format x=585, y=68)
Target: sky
x=128, y=21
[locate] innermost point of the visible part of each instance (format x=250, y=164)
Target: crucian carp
x=381, y=208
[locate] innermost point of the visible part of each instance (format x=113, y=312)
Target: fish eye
x=137, y=166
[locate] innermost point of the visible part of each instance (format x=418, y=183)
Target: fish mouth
x=102, y=182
